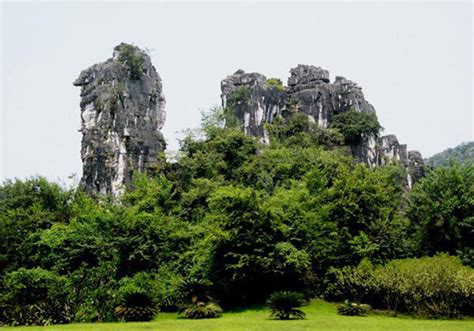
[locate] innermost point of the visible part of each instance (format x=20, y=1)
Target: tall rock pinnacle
x=122, y=112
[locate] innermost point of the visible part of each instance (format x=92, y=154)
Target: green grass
x=320, y=315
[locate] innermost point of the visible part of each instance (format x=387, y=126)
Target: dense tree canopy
x=244, y=218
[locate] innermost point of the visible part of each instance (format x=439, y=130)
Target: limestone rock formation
x=311, y=92
x=122, y=112
x=416, y=165
x=254, y=101
x=388, y=150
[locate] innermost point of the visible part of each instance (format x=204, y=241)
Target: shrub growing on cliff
x=238, y=96
x=356, y=126
x=133, y=58
x=276, y=83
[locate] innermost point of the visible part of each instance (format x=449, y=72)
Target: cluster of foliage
x=136, y=305
x=197, y=302
x=463, y=154
x=283, y=305
x=35, y=297
x=239, y=96
x=245, y=220
x=348, y=308
x=133, y=58
x=202, y=309
x=276, y=83
x=356, y=126
x=441, y=209
x=297, y=130
x=437, y=286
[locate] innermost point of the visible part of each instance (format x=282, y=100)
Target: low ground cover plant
x=284, y=305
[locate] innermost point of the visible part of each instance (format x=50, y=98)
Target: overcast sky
x=413, y=61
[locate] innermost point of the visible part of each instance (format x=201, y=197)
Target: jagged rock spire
x=122, y=112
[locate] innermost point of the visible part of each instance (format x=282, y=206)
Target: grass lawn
x=320, y=315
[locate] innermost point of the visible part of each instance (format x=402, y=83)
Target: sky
x=413, y=61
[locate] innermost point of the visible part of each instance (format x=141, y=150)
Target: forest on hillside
x=231, y=222
x=463, y=153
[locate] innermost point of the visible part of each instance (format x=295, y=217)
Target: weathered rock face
x=310, y=91
x=254, y=101
x=416, y=165
x=388, y=150
x=122, y=112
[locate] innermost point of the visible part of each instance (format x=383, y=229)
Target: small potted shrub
x=283, y=305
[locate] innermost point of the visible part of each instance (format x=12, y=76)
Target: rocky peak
x=254, y=101
x=311, y=92
x=122, y=112
x=304, y=76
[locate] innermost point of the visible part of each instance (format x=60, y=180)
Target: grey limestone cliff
x=256, y=100
x=122, y=112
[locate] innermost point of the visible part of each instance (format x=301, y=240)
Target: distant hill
x=463, y=153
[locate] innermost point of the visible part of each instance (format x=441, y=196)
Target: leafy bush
x=162, y=285
x=197, y=303
x=353, y=309
x=355, y=125
x=137, y=305
x=241, y=95
x=133, y=58
x=432, y=286
x=277, y=83
x=194, y=289
x=201, y=309
x=442, y=211
x=35, y=297
x=26, y=208
x=283, y=305
x=95, y=292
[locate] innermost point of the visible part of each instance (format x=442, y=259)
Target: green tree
x=26, y=208
x=441, y=208
x=356, y=126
